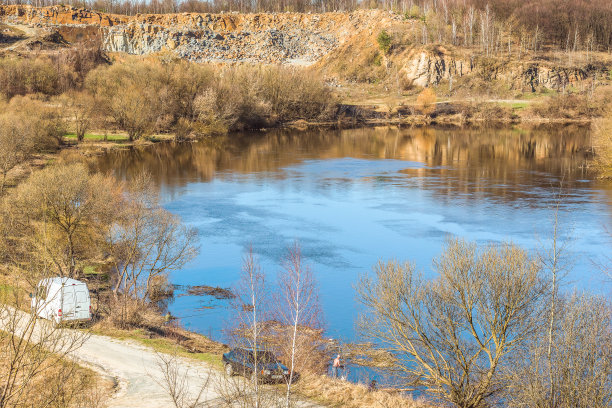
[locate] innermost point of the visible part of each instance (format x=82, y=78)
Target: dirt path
x=30, y=33
x=135, y=368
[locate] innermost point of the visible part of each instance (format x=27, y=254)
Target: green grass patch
x=91, y=270
x=111, y=137
x=6, y=290
x=95, y=271
x=517, y=105
x=162, y=345
x=540, y=93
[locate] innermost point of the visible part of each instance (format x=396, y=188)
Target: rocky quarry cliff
x=323, y=40
x=288, y=38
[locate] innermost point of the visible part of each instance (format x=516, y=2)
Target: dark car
x=242, y=361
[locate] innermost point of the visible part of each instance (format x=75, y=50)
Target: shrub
x=491, y=112
x=204, y=101
x=50, y=74
x=426, y=101
x=574, y=106
x=28, y=75
x=384, y=42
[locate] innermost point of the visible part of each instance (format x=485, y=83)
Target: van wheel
x=229, y=370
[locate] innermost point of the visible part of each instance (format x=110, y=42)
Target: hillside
x=343, y=46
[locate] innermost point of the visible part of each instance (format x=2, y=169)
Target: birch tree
x=298, y=312
x=248, y=326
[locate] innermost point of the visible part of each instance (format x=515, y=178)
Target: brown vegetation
x=483, y=330
x=198, y=100
x=602, y=141
x=27, y=127
x=338, y=393
x=59, y=215
x=581, y=105
x=426, y=101
x=577, y=370
x=452, y=336
x=49, y=73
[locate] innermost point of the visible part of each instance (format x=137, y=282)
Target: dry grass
x=571, y=106
x=170, y=340
x=338, y=393
x=62, y=384
x=602, y=141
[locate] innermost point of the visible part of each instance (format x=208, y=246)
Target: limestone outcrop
x=293, y=38
x=328, y=39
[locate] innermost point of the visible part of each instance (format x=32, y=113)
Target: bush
x=128, y=313
x=426, y=101
x=574, y=106
x=384, y=42
x=491, y=112
x=198, y=100
x=28, y=75
x=51, y=74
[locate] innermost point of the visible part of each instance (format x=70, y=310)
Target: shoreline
x=93, y=147
x=195, y=345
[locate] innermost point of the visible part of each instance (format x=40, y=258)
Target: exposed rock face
x=431, y=68
x=272, y=38
x=287, y=38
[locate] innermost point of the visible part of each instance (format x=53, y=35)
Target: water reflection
x=355, y=196
x=468, y=164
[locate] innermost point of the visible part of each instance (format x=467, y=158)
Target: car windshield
x=263, y=357
x=266, y=357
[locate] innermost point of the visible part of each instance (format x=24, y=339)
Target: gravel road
x=134, y=368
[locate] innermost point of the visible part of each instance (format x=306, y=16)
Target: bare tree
x=80, y=107
x=66, y=209
x=298, y=312
x=451, y=335
x=15, y=145
x=579, y=365
x=250, y=314
x=178, y=382
x=35, y=369
x=146, y=243
x=554, y=263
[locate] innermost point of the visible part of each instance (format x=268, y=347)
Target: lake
x=353, y=197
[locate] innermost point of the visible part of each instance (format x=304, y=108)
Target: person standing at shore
x=336, y=366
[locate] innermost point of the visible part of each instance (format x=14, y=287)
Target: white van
x=61, y=300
